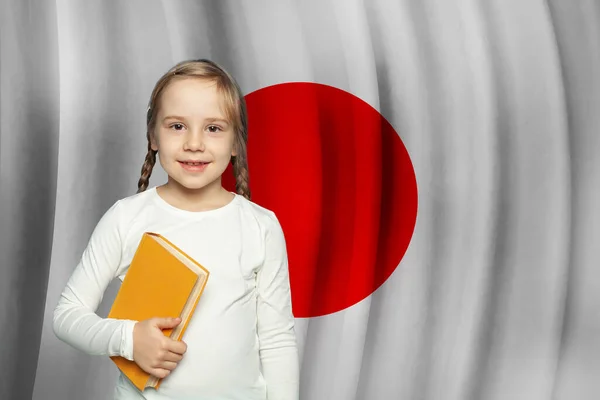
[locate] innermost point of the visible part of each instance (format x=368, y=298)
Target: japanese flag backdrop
x=433, y=163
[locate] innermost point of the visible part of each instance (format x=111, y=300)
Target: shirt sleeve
x=75, y=320
x=275, y=321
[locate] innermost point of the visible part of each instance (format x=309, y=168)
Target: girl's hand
x=155, y=353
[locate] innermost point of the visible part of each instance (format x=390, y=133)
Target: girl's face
x=193, y=138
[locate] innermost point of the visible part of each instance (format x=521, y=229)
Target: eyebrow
x=172, y=117
x=213, y=119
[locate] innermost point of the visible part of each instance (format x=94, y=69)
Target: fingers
x=166, y=357
x=155, y=353
x=168, y=365
x=174, y=357
x=167, y=323
x=168, y=362
x=159, y=372
x=176, y=346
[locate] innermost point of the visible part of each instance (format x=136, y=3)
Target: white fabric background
x=496, y=101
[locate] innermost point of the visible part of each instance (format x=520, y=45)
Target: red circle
x=342, y=185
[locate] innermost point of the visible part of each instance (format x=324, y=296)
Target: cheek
x=223, y=147
x=167, y=145
x=224, y=152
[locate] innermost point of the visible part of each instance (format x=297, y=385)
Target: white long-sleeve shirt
x=241, y=340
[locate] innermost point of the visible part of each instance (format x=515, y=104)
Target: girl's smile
x=194, y=166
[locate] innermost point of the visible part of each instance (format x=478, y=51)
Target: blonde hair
x=235, y=112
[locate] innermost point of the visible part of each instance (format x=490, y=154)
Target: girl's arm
x=277, y=339
x=75, y=318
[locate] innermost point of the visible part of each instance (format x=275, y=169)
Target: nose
x=194, y=141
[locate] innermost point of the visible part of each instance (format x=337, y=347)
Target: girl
x=240, y=342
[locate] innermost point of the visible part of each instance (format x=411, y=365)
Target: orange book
x=162, y=281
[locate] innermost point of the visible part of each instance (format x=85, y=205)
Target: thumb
x=167, y=323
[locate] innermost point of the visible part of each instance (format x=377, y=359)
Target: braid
x=147, y=168
x=242, y=178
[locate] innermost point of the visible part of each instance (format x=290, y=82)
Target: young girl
x=240, y=342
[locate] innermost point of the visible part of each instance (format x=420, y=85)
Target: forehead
x=193, y=97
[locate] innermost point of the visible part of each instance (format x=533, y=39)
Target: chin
x=192, y=184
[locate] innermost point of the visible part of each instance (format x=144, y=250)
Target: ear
x=153, y=143
x=234, y=151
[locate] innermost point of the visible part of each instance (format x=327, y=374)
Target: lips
x=193, y=166
x=194, y=163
